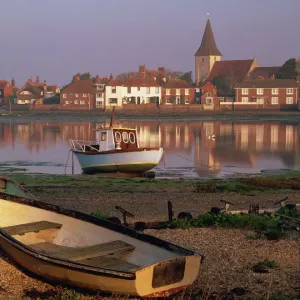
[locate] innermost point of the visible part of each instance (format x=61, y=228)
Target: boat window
x=125, y=137
x=131, y=137
x=103, y=136
x=118, y=136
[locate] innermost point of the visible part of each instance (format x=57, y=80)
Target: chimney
x=77, y=77
x=162, y=70
x=247, y=77
x=273, y=77
x=142, y=69
x=45, y=88
x=111, y=77
x=37, y=79
x=90, y=76
x=13, y=82
x=30, y=80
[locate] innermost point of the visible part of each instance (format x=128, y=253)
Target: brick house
x=209, y=98
x=267, y=94
x=35, y=92
x=176, y=91
x=6, y=90
x=80, y=94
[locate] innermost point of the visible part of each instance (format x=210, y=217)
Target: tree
x=126, y=75
x=287, y=70
x=298, y=66
x=223, y=85
x=53, y=100
x=83, y=76
x=187, y=76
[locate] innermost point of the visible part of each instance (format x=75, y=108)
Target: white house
x=114, y=93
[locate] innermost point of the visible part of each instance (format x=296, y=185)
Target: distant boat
x=116, y=149
x=70, y=247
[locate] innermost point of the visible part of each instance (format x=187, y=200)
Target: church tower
x=206, y=55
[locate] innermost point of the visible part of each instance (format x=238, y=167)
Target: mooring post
x=170, y=211
x=72, y=163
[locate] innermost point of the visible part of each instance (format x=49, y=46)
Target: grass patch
x=264, y=266
x=100, y=215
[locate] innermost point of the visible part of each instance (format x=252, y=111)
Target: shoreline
x=266, y=116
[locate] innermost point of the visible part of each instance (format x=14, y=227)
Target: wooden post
x=170, y=211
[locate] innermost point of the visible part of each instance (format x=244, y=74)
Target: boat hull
x=141, y=285
x=125, y=162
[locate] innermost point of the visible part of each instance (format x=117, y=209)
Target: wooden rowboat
x=77, y=249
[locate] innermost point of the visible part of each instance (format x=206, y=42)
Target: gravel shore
x=229, y=255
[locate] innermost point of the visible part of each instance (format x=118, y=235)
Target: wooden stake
x=170, y=211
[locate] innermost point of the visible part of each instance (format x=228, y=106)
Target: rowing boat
x=70, y=247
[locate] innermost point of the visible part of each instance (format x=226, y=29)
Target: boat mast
x=112, y=116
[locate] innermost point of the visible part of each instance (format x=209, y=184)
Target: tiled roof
x=265, y=72
x=236, y=69
x=140, y=82
x=208, y=45
x=177, y=84
x=35, y=92
x=269, y=83
x=80, y=86
x=116, y=82
x=52, y=88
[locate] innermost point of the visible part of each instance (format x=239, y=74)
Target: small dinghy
x=77, y=249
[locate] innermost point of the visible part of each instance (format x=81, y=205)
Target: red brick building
x=209, y=98
x=269, y=93
x=176, y=91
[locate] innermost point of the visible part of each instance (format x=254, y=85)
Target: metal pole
x=72, y=163
x=170, y=211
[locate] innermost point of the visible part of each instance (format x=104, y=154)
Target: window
x=98, y=87
x=245, y=99
x=103, y=136
x=129, y=90
x=289, y=91
x=99, y=95
x=274, y=100
x=76, y=95
x=148, y=89
x=289, y=100
x=215, y=58
x=274, y=91
x=41, y=93
x=260, y=91
x=168, y=100
x=138, y=88
x=260, y=101
x=187, y=101
x=177, y=91
x=118, y=137
x=83, y=95
x=208, y=94
x=67, y=102
x=168, y=91
x=75, y=101
x=187, y=91
x=82, y=102
x=125, y=137
x=157, y=90
x=244, y=91
x=64, y=95
x=113, y=89
x=113, y=100
x=132, y=138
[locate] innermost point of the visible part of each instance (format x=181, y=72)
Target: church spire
x=208, y=45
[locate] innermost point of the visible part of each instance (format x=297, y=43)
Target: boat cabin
x=108, y=139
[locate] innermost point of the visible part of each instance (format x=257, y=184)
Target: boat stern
x=167, y=277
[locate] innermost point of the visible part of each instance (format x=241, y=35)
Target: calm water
x=243, y=147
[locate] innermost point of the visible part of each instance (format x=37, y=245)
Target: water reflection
x=192, y=148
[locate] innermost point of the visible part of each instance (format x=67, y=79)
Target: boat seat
x=31, y=227
x=110, y=262
x=82, y=253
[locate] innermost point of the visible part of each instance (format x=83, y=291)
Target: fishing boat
x=116, y=149
x=69, y=247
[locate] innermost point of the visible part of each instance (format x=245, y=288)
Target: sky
x=57, y=38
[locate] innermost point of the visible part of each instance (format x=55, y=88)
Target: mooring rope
x=67, y=162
